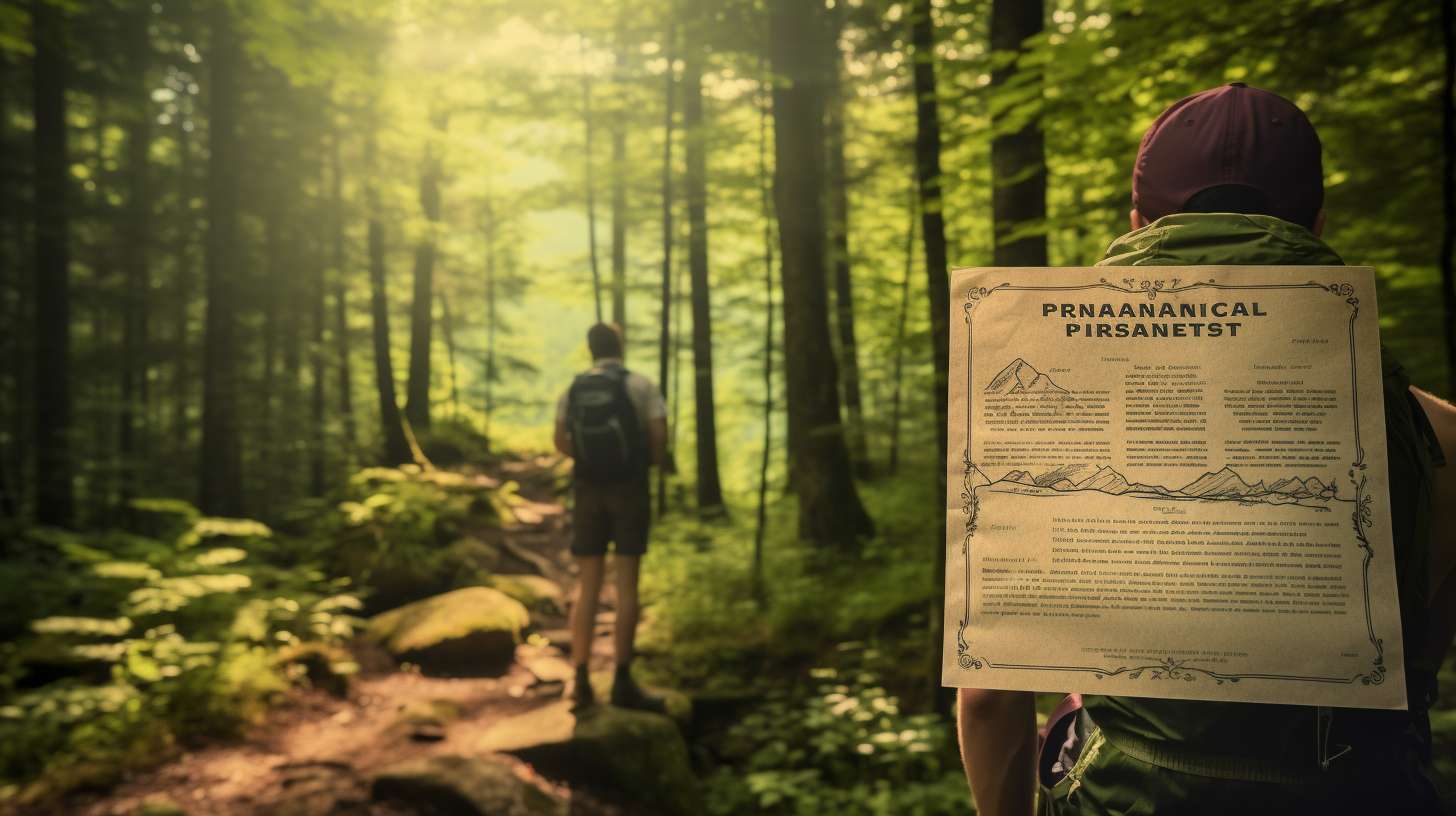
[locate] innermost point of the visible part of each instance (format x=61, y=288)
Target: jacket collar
x=1185, y=239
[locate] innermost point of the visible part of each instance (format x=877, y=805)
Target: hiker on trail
x=1233, y=176
x=613, y=423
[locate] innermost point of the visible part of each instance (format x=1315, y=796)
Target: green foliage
x=706, y=625
x=393, y=530
x=150, y=643
x=452, y=443
x=847, y=747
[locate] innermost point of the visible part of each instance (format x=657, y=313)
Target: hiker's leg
x=624, y=634
x=584, y=611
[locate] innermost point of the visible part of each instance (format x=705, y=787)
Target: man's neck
x=601, y=362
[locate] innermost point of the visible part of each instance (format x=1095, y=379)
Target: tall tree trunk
x=294, y=312
x=760, y=526
x=417, y=405
x=932, y=230
x=275, y=279
x=54, y=492
x=710, y=491
x=184, y=280
x=490, y=316
x=319, y=299
x=619, y=173
x=1448, y=186
x=12, y=342
x=898, y=376
x=830, y=511
x=1018, y=160
x=396, y=445
x=135, y=246
x=841, y=261
x=221, y=466
x=665, y=337
x=341, y=294
x=591, y=187
x=447, y=326
x=674, y=422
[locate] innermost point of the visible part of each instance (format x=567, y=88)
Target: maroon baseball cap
x=1230, y=135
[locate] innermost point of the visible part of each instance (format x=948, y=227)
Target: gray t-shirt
x=641, y=391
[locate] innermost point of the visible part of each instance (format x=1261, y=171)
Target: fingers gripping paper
x=1172, y=484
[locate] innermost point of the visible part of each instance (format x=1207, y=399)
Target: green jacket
x=1164, y=756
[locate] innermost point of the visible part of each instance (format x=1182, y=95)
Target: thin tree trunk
x=12, y=345
x=396, y=445
x=932, y=227
x=183, y=387
x=1448, y=187
x=665, y=338
x=619, y=173
x=274, y=281
x=316, y=362
x=710, y=490
x=417, y=404
x=135, y=247
x=448, y=329
x=341, y=295
x=760, y=527
x=1018, y=160
x=490, y=316
x=221, y=466
x=830, y=511
x=910, y=234
x=674, y=422
x=54, y=493
x=591, y=187
x=294, y=312
x=841, y=261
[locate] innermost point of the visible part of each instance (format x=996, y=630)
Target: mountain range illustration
x=1022, y=378
x=1224, y=484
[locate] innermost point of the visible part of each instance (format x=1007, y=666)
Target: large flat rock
x=467, y=632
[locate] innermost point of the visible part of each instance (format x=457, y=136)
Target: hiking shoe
x=627, y=694
x=581, y=690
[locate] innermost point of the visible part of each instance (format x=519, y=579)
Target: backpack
x=605, y=430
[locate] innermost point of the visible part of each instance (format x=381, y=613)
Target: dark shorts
x=619, y=513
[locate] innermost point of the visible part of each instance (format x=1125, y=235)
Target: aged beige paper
x=1170, y=482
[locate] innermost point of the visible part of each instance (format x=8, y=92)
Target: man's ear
x=1138, y=222
x=1319, y=223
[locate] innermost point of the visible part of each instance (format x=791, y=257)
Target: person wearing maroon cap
x=1233, y=176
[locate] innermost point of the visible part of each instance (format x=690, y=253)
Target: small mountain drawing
x=1224, y=484
x=1021, y=378
x=1076, y=474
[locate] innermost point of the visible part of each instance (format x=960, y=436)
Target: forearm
x=998, y=748
x=563, y=441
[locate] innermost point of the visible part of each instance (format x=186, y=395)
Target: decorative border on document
x=1172, y=668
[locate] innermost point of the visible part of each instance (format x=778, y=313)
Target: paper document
x=1170, y=482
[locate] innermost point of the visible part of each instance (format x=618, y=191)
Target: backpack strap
x=1186, y=759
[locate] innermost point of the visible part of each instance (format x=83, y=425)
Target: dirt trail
x=315, y=754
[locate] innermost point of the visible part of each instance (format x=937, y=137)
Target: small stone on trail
x=632, y=756
x=159, y=806
x=468, y=786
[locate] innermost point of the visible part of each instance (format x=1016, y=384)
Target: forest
x=289, y=292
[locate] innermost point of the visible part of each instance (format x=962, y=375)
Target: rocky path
x=402, y=742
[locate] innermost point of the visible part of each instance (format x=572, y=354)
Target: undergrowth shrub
x=149, y=643
x=393, y=531
x=844, y=747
